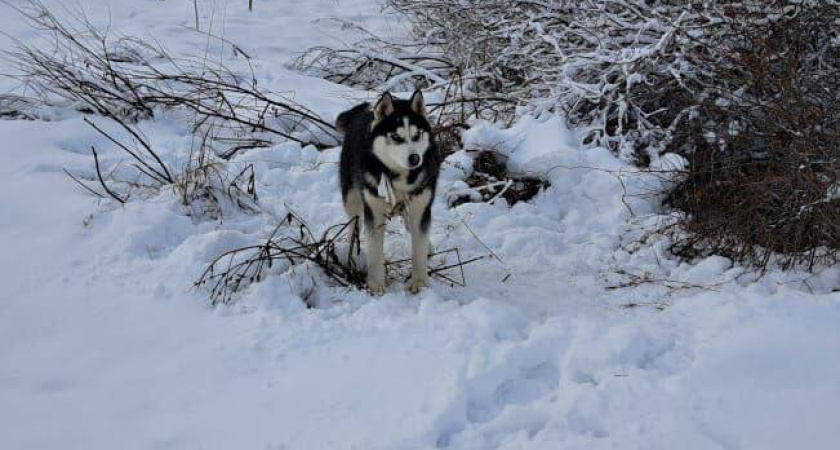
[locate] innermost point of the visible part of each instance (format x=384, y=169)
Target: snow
x=105, y=344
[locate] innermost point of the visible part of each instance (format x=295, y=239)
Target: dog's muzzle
x=413, y=160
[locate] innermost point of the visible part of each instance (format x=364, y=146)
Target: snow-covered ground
x=105, y=344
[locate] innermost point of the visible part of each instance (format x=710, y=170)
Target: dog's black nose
x=413, y=159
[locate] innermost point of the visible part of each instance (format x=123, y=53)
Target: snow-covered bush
x=747, y=91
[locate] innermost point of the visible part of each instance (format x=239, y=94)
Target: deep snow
x=105, y=344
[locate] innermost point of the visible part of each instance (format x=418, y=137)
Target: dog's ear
x=384, y=107
x=418, y=105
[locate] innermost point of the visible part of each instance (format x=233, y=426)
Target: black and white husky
x=389, y=165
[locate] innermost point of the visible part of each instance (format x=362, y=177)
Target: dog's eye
x=416, y=137
x=397, y=138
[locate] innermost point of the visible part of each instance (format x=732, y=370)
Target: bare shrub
x=376, y=64
x=293, y=243
x=765, y=149
x=126, y=77
x=126, y=80
x=203, y=185
x=15, y=107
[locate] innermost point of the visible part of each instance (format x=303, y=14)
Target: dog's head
x=402, y=135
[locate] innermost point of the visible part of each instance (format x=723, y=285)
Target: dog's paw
x=376, y=287
x=416, y=284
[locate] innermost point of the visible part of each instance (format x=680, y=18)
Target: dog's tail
x=342, y=123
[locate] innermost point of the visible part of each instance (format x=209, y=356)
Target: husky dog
x=389, y=165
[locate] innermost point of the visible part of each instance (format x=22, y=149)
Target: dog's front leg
x=419, y=258
x=375, y=233
x=419, y=220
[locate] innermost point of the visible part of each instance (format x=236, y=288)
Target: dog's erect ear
x=384, y=107
x=418, y=105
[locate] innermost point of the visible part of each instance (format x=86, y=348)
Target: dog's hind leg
x=375, y=236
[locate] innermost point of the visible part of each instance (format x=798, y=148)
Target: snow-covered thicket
x=745, y=90
x=631, y=70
